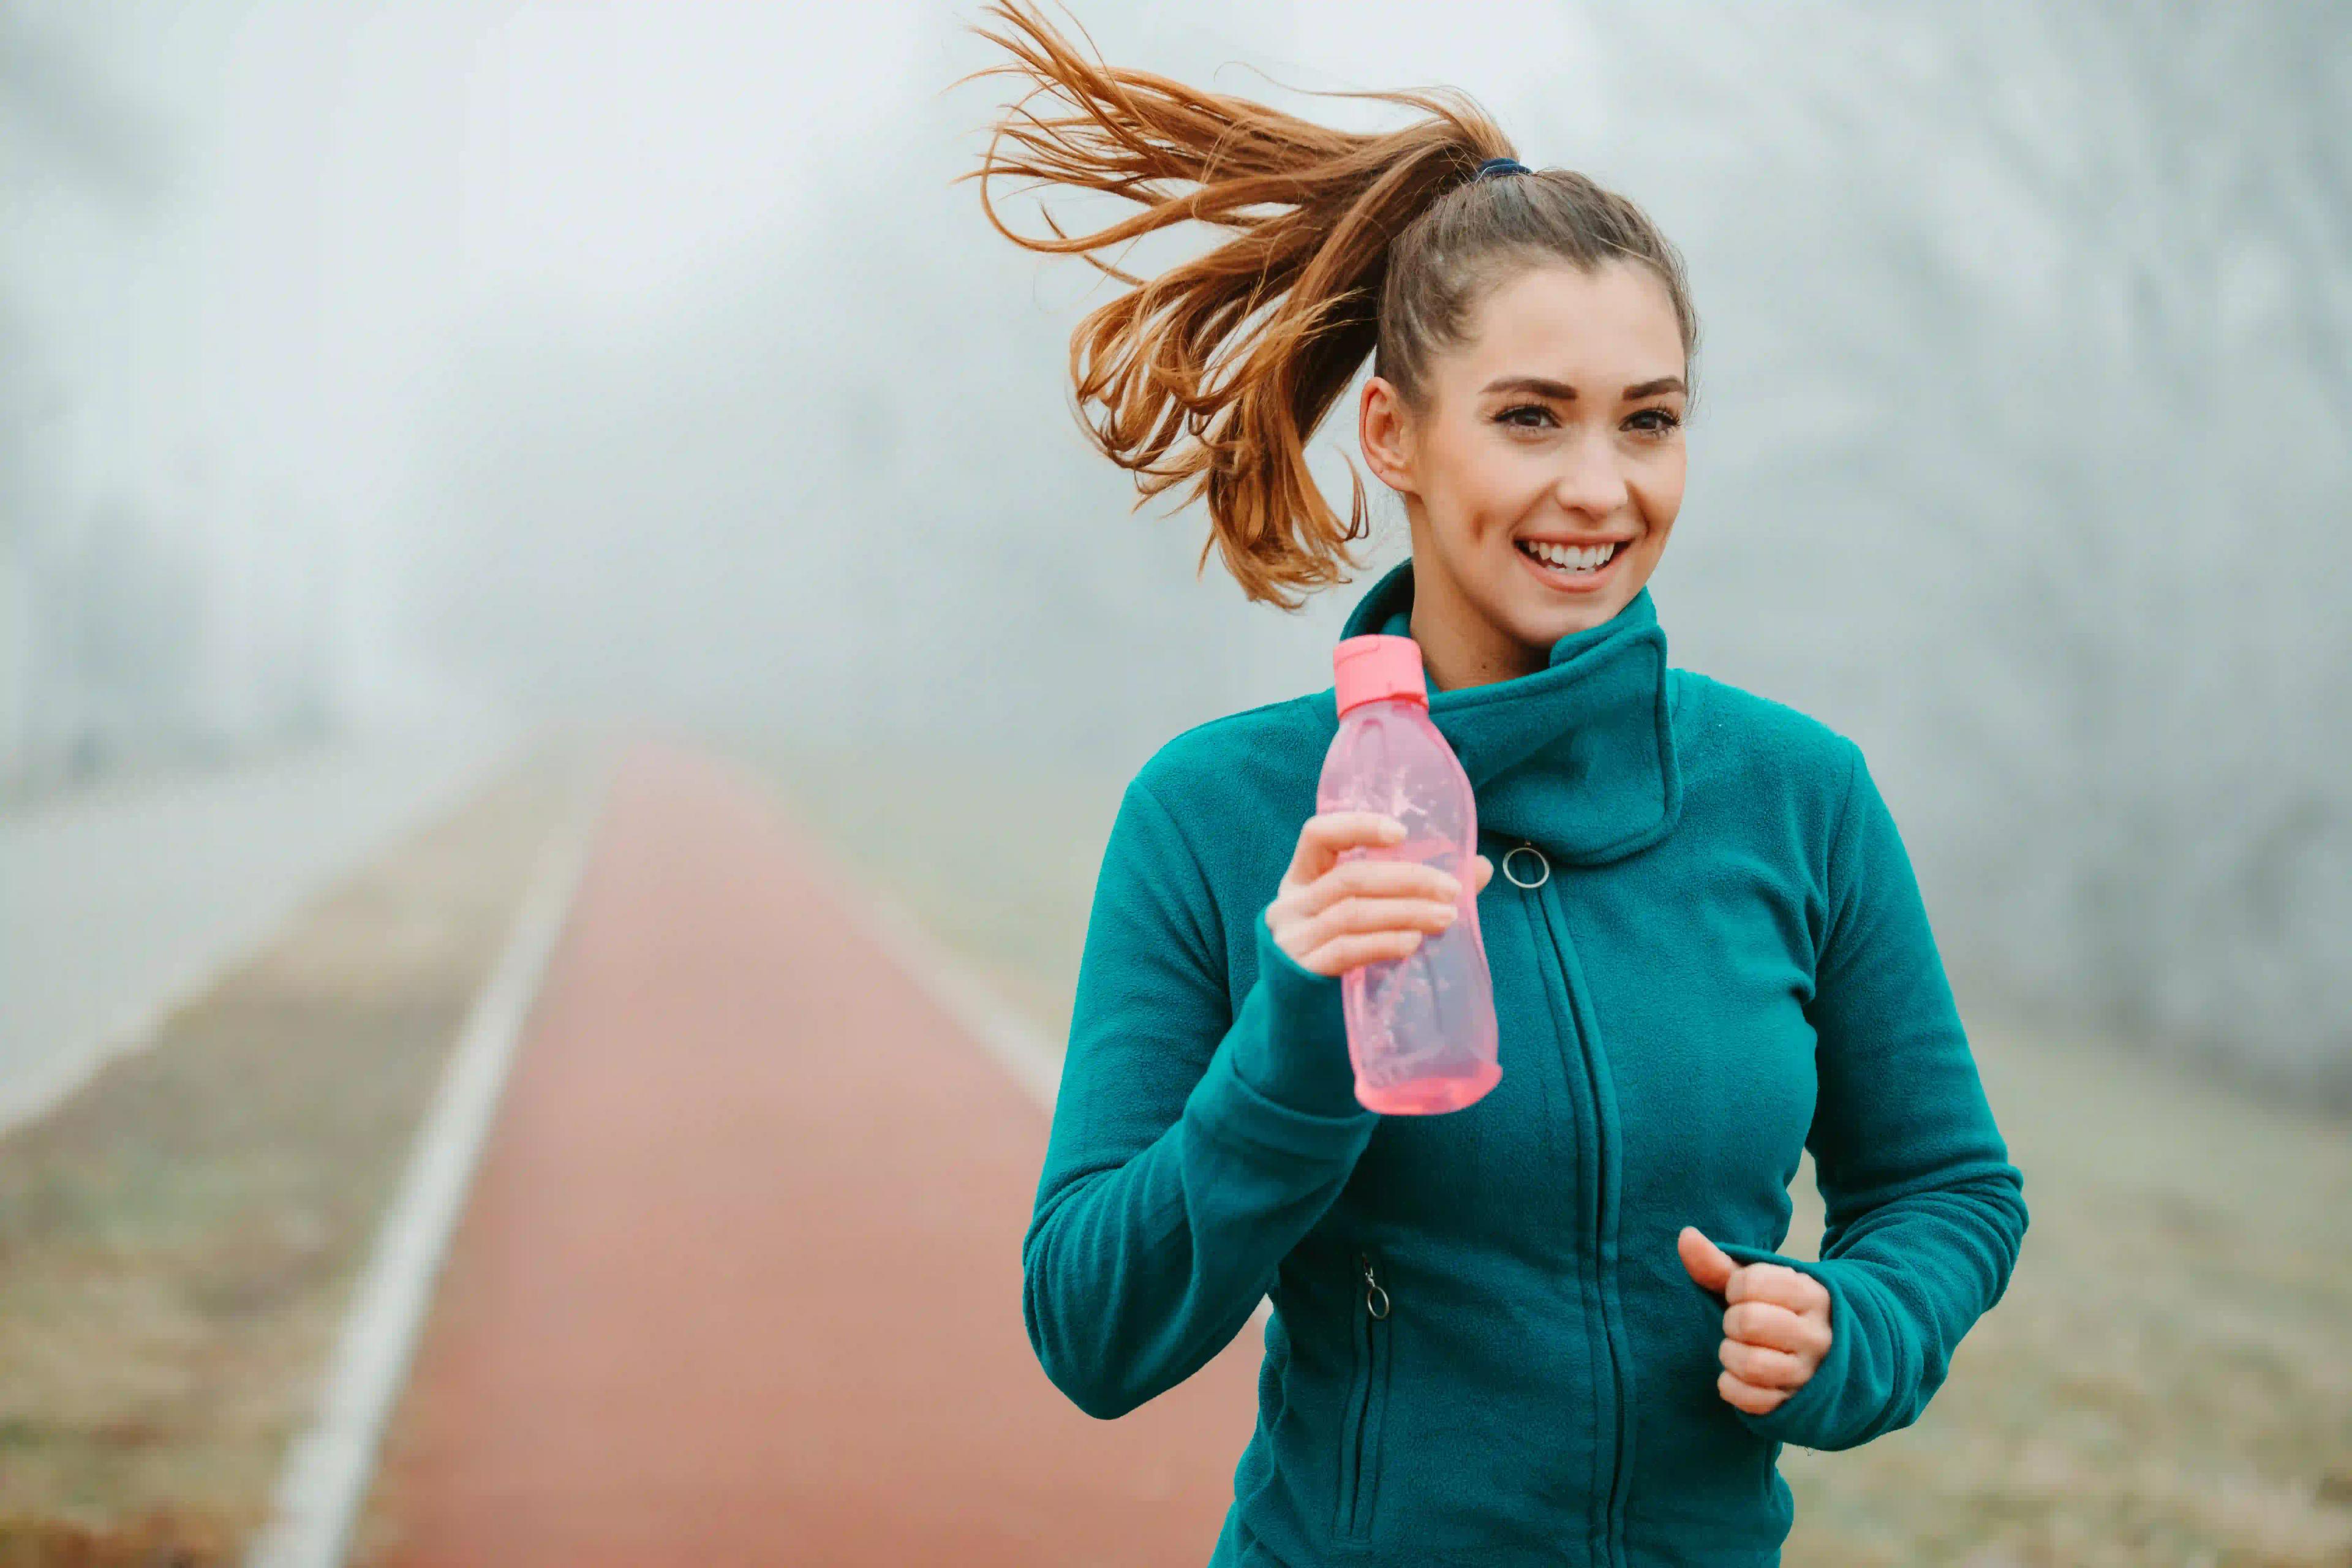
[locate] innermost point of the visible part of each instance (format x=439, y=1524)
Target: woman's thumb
x=1708, y=1264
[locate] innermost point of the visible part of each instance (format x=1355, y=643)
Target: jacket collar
x=1577, y=758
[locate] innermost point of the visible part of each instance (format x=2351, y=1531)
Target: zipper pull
x=1376, y=1300
x=1534, y=875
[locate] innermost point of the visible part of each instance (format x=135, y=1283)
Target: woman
x=1552, y=1327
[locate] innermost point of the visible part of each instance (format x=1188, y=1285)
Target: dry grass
x=177, y=1240
x=2167, y=1382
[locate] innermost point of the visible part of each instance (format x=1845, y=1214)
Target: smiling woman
x=1553, y=1326
x=1542, y=468
x=1406, y=245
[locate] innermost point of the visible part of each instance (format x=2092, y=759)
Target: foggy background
x=364, y=365
x=387, y=388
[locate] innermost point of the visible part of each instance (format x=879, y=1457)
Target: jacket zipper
x=1548, y=915
x=1360, y=1444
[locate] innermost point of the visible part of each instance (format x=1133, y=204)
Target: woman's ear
x=1385, y=429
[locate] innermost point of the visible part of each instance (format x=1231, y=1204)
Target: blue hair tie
x=1494, y=166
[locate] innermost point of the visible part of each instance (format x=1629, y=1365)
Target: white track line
x=329, y=1469
x=1018, y=1046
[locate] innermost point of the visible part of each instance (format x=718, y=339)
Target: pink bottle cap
x=1370, y=668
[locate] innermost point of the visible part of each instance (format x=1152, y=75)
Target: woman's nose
x=1590, y=478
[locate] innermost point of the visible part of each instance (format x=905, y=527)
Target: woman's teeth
x=1569, y=558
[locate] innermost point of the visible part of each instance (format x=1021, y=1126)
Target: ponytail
x=1215, y=372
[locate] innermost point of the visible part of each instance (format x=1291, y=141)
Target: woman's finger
x=1746, y=1396
x=1353, y=917
x=1769, y=1324
x=1328, y=834
x=1777, y=1282
x=1376, y=878
x=1761, y=1368
x=1342, y=953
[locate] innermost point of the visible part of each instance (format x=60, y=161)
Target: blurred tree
x=58, y=124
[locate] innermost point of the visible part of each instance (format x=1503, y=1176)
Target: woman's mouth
x=1574, y=568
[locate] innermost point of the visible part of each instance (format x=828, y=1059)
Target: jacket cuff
x=1300, y=1058
x=1282, y=1081
x=1837, y=1407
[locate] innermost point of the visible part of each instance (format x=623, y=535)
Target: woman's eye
x=1653, y=421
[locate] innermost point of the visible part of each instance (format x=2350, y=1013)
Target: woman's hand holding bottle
x=1332, y=915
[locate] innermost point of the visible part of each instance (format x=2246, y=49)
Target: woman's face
x=1553, y=439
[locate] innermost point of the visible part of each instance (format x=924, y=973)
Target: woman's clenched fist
x=1776, y=1327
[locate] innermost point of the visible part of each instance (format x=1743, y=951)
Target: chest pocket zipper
x=1359, y=1440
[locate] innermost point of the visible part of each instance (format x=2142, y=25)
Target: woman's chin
x=1552, y=621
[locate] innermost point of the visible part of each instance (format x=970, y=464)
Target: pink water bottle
x=1421, y=1028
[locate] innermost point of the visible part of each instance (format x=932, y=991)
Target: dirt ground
x=177, y=1240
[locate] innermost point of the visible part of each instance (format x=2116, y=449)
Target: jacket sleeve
x=1194, y=1142
x=1924, y=1213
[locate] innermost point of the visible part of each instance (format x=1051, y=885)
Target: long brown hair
x=1379, y=242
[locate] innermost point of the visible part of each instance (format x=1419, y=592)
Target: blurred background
x=399, y=401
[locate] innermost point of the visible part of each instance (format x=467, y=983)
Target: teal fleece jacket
x=1709, y=953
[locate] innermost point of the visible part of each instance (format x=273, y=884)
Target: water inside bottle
x=1436, y=982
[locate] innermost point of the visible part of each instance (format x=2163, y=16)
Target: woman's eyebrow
x=1543, y=387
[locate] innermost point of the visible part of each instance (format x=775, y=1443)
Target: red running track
x=739, y=1278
